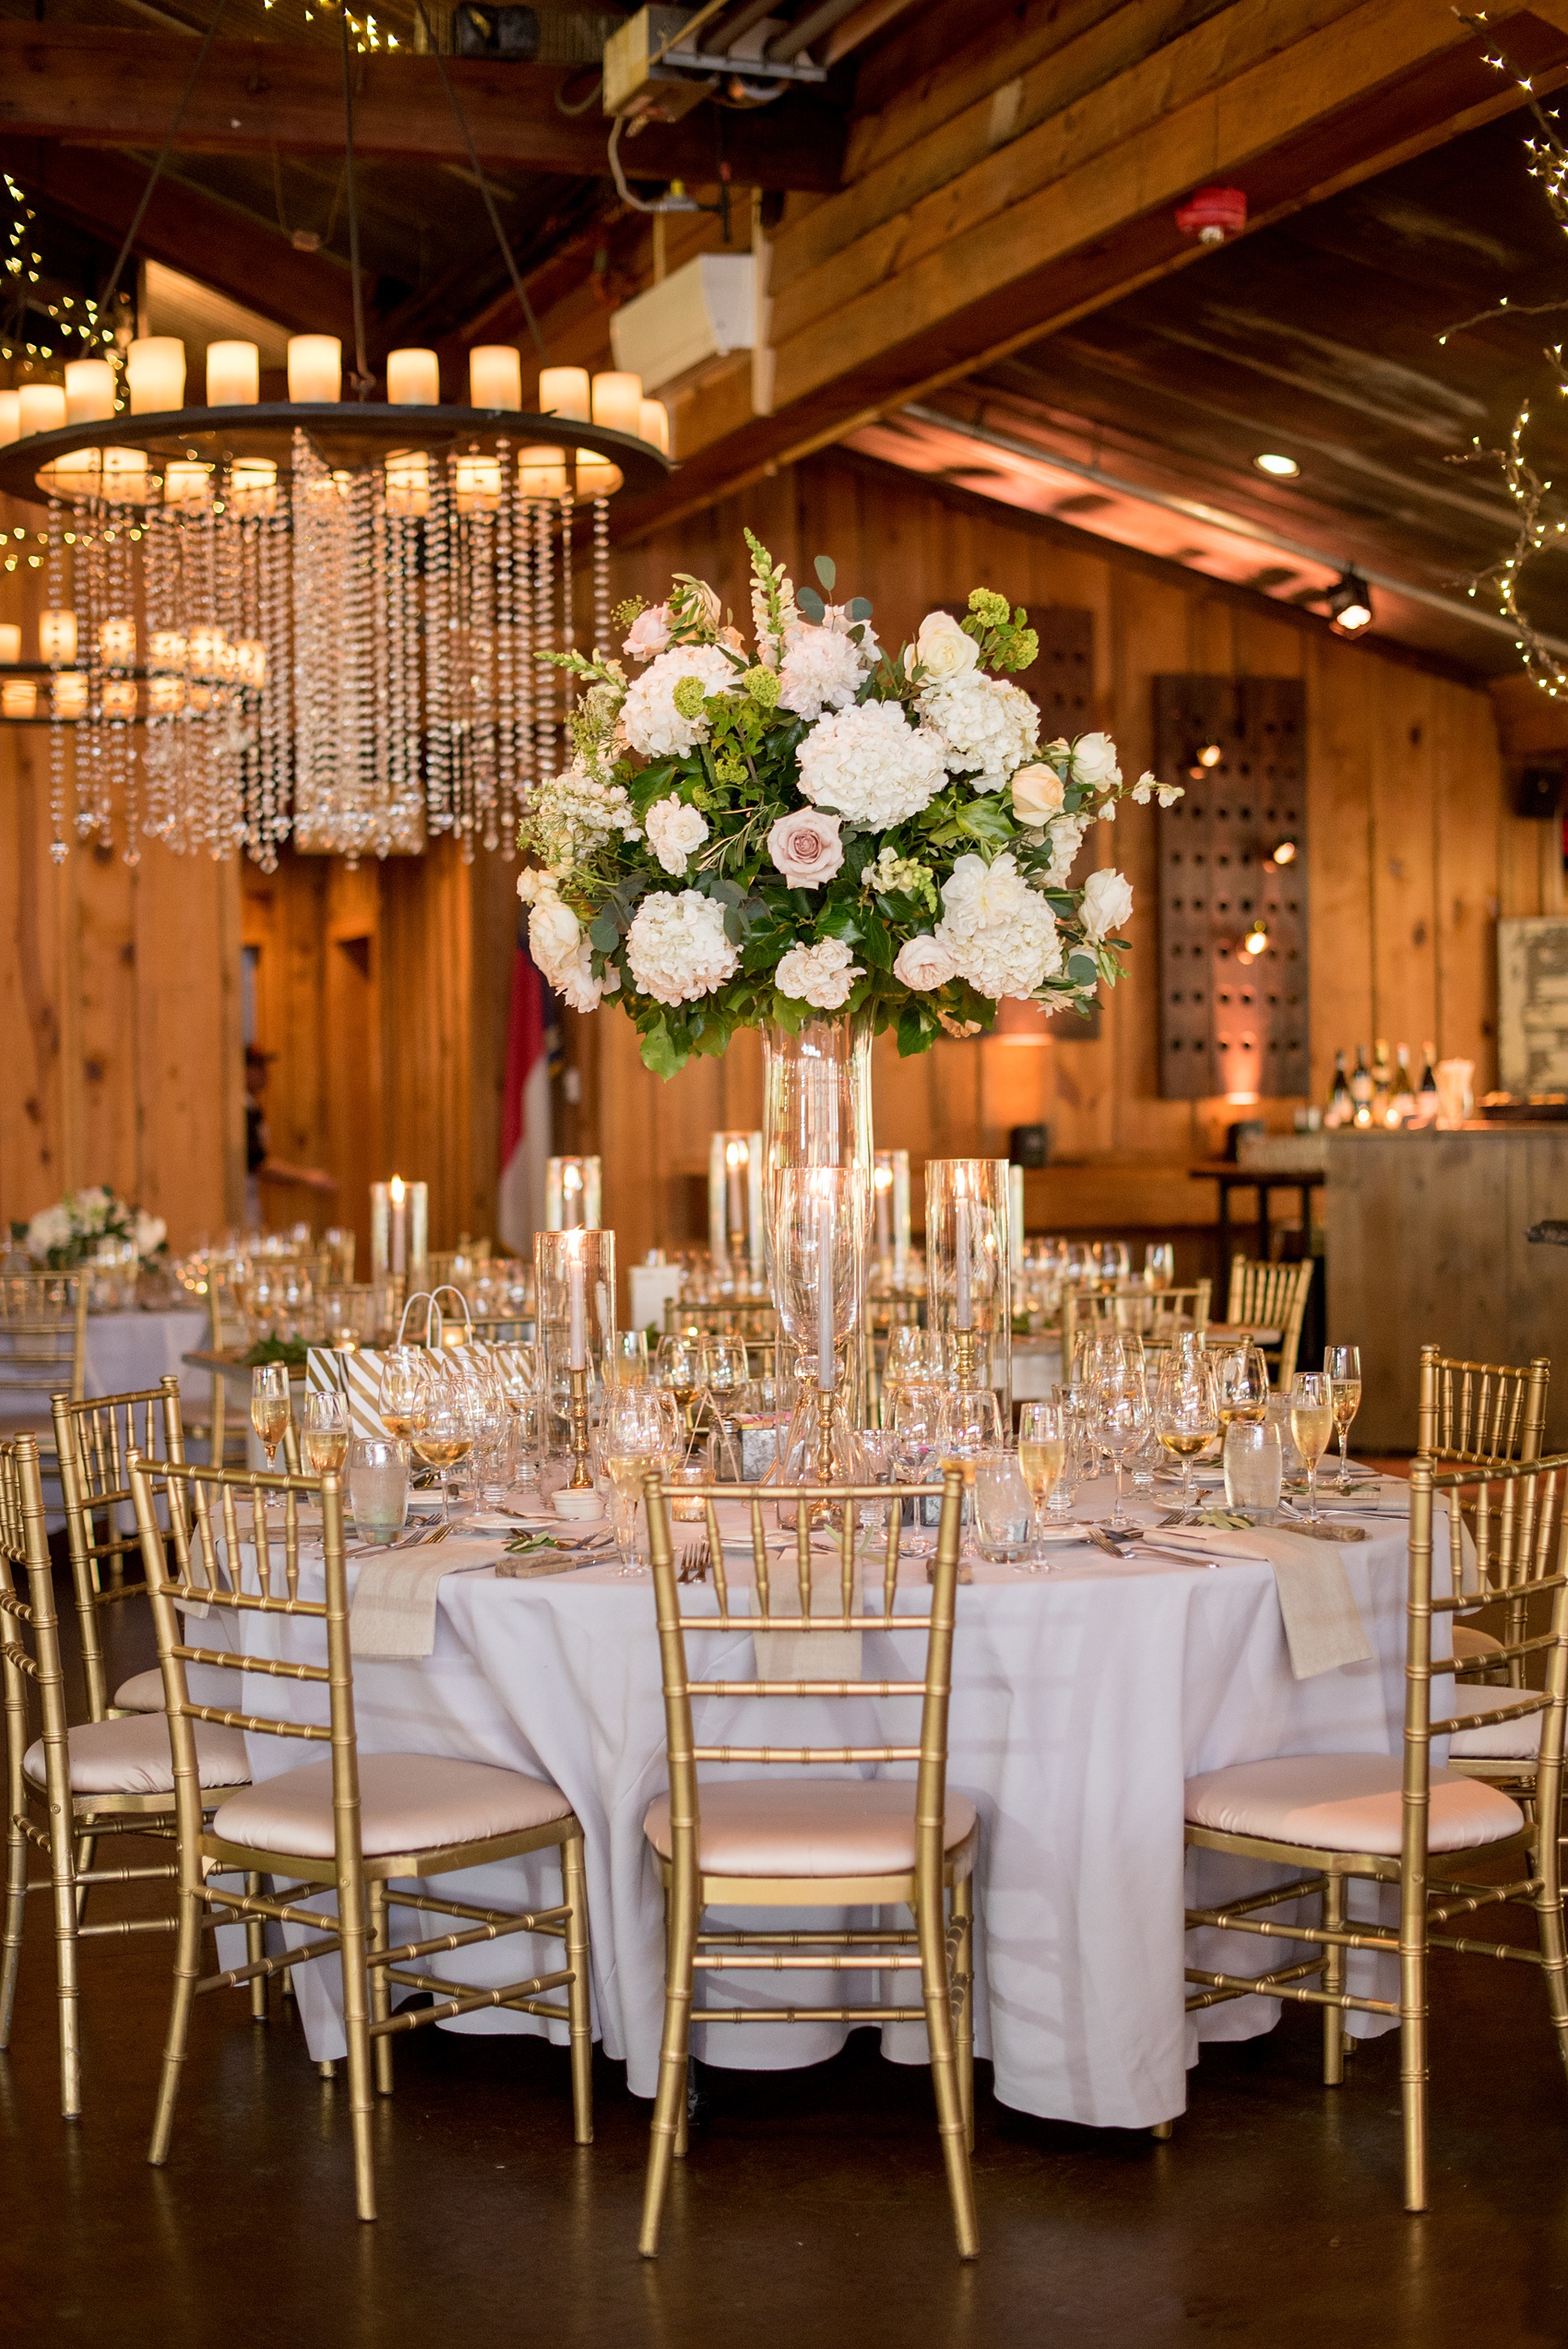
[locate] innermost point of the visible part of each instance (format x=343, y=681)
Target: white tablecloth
x=1082, y=1698
x=131, y=1350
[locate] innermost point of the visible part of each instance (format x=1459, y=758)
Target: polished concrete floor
x=811, y=2210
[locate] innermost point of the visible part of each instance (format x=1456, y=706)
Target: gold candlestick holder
x=581, y=1478
x=826, y=1398
x=964, y=1353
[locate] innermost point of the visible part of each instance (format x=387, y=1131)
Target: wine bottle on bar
x=1341, y=1109
x=1362, y=1087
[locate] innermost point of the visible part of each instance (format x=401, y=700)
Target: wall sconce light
x=1283, y=852
x=1256, y=938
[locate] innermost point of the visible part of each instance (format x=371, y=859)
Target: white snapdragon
x=574, y=813
x=999, y=931
x=676, y=947
x=821, y=976
x=1065, y=834
x=989, y=728
x=868, y=763
x=654, y=726
x=674, y=829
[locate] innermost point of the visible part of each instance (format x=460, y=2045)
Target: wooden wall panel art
x=1233, y=1022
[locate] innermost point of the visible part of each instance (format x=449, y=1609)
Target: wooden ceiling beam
x=228, y=250
x=1078, y=210
x=94, y=87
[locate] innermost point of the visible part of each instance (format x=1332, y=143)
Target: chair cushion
x=131, y=1757
x=808, y=1827
x=1502, y=1741
x=1345, y=1802
x=1469, y=1643
x=407, y=1802
x=143, y=1692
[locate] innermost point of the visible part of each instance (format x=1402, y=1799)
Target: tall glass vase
x=816, y=1116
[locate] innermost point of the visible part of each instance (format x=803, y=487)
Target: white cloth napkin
x=393, y=1612
x=1323, y=1624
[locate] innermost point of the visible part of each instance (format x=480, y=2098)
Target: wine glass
x=1120, y=1423
x=640, y=1435
x=1159, y=1265
x=1312, y=1424
x=678, y=1367
x=404, y=1370
x=492, y=1429
x=970, y=1423
x=442, y=1429
x=917, y=1421
x=1045, y=1433
x=270, y=1405
x=326, y=1435
x=1187, y=1410
x=1343, y=1366
x=627, y=1358
x=725, y=1370
x=1241, y=1377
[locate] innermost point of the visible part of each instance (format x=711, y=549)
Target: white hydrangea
x=1000, y=932
x=821, y=976
x=674, y=828
x=821, y=669
x=574, y=813
x=676, y=946
x=990, y=728
x=150, y=1232
x=50, y=1229
x=654, y=726
x=869, y=764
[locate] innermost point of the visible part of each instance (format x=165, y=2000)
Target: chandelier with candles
x=318, y=618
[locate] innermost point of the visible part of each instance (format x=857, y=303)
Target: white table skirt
x=1082, y=1699
x=128, y=1351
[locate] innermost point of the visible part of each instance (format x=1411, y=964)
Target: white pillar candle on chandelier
x=10, y=416
x=57, y=637
x=155, y=372
x=42, y=407
x=10, y=643
x=495, y=376
x=68, y=695
x=618, y=401
x=19, y=698
x=565, y=392
x=395, y=1193
x=542, y=472
x=316, y=367
x=233, y=374
x=653, y=425
x=117, y=643
x=596, y=476
x=89, y=390
x=413, y=378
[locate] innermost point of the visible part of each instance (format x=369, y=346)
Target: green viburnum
x=892, y=875
x=689, y=695
x=989, y=609
x=762, y=684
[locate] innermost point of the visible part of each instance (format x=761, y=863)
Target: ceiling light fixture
x=1278, y=469
x=1349, y=603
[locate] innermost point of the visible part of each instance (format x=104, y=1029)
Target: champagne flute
x=326, y=1433
x=1343, y=1366
x=1044, y=1434
x=1187, y=1410
x=1312, y=1424
x=270, y=1405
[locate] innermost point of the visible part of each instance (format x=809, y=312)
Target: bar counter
x=1426, y=1243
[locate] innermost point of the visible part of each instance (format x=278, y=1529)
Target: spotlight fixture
x=1283, y=852
x=1278, y=469
x=1256, y=938
x=1349, y=603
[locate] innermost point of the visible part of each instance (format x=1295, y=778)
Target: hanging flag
x=532, y=1039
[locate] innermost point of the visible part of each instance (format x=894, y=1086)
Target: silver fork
x=693, y=1566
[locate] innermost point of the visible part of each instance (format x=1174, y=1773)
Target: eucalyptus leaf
x=827, y=571
x=1082, y=968
x=811, y=604
x=858, y=607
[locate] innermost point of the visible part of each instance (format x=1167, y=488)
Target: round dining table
x=1084, y=1695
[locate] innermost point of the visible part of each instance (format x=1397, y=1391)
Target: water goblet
x=1004, y=1508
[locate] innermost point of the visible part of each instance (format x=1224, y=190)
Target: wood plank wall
x=385, y=993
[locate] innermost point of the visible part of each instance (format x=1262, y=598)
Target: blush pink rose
x=805, y=847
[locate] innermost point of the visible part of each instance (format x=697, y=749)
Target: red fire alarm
x=1212, y=214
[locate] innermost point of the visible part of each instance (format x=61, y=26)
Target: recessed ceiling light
x=1282, y=469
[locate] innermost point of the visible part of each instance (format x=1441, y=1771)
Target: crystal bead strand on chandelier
x=502, y=829
x=601, y=577
x=54, y=576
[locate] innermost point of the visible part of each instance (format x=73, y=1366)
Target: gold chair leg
x=964, y=1919
x=945, y=2072
x=1413, y=2047
x=1334, y=1982
x=1553, y=1947
x=86, y=1847
x=16, y=1912
x=256, y=1949
x=187, y=1966
x=356, y=2031
x=380, y=1988
x=580, y=1998
x=670, y=2105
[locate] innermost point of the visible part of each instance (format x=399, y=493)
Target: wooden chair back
x=1272, y=1297
x=42, y=1340
x=94, y=1439
x=1488, y=1413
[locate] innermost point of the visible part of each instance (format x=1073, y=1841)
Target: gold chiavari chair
x=1156, y=1314
x=351, y=1824
x=94, y=1439
x=1483, y=1414
x=856, y=1842
x=43, y=1345
x=1334, y=1819
x=227, y=1334
x=1272, y=1297
x=721, y=1318
x=67, y=1788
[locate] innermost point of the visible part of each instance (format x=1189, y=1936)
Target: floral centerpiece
x=69, y=1232
x=810, y=824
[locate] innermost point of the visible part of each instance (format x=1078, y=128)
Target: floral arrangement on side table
x=813, y=825
x=68, y=1233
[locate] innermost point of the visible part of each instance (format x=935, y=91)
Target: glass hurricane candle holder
x=969, y=1250
x=571, y=1194
x=735, y=1207
x=575, y=1277
x=890, y=1209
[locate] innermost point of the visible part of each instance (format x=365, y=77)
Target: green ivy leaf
x=987, y=820
x=659, y=1051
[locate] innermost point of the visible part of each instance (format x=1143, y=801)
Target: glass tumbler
x=378, y=1485
x=1254, y=1466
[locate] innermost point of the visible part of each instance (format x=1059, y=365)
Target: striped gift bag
x=331, y=1369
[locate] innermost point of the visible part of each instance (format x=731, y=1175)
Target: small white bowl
x=579, y=1503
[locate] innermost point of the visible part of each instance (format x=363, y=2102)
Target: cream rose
x=943, y=649
x=554, y=933
x=1038, y=793
x=675, y=830
x=923, y=964
x=1108, y=901
x=805, y=847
